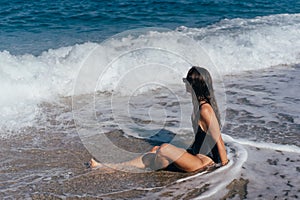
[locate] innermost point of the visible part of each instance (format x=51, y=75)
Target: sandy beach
x=56, y=171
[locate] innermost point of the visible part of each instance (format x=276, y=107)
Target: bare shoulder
x=208, y=120
x=206, y=111
x=207, y=114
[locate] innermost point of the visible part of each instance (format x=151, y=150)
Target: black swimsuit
x=204, y=144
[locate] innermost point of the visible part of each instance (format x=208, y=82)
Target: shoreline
x=45, y=173
x=57, y=171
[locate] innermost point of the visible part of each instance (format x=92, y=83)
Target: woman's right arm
x=210, y=124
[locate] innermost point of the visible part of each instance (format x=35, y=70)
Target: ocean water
x=86, y=68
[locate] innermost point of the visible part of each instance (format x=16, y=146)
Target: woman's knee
x=154, y=149
x=164, y=149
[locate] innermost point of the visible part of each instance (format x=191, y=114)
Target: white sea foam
x=232, y=46
x=272, y=146
x=27, y=80
x=247, y=44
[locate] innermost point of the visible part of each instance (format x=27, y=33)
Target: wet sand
x=272, y=174
x=40, y=165
x=54, y=168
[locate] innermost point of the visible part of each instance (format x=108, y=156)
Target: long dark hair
x=201, y=82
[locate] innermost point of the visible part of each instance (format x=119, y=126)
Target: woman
x=208, y=147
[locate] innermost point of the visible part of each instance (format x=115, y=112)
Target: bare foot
x=94, y=164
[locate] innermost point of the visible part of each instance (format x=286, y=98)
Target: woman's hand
x=225, y=162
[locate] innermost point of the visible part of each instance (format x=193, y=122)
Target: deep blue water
x=35, y=26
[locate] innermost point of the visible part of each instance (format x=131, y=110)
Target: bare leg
x=141, y=162
x=168, y=153
x=161, y=157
